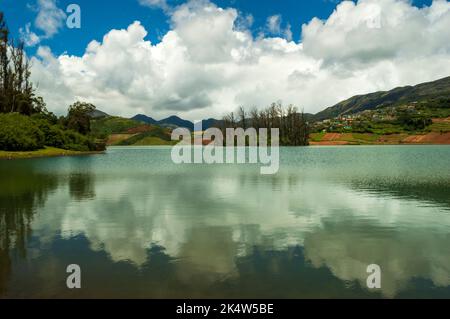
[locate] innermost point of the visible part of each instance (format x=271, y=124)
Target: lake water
x=140, y=226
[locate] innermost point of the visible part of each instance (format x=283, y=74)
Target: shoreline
x=43, y=153
x=49, y=152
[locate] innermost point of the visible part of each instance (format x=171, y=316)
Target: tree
x=16, y=90
x=79, y=117
x=4, y=62
x=292, y=125
x=242, y=115
x=255, y=120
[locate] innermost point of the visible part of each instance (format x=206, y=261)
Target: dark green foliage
x=78, y=117
x=414, y=123
x=24, y=133
x=19, y=133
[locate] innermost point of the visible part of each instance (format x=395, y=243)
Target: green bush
x=25, y=133
x=19, y=133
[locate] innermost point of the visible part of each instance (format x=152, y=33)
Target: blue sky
x=100, y=16
x=204, y=58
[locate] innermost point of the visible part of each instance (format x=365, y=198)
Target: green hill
x=106, y=126
x=123, y=131
x=153, y=135
x=431, y=95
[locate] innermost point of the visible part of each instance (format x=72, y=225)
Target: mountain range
x=175, y=121
x=170, y=122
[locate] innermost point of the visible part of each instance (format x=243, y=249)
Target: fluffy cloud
x=29, y=37
x=379, y=30
x=49, y=20
x=274, y=23
x=209, y=62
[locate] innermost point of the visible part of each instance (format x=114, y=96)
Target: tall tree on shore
x=242, y=117
x=16, y=90
x=292, y=125
x=79, y=117
x=4, y=59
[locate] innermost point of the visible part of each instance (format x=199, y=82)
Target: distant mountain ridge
x=144, y=118
x=175, y=121
x=96, y=114
x=429, y=92
x=170, y=122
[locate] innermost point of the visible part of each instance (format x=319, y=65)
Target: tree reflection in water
x=20, y=197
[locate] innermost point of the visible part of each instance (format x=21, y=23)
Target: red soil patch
x=331, y=137
x=391, y=139
x=206, y=142
x=329, y=143
x=446, y=120
x=430, y=138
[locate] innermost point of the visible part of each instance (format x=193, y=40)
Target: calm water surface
x=140, y=226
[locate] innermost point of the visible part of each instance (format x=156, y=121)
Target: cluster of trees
x=292, y=124
x=27, y=133
x=16, y=89
x=414, y=123
x=25, y=123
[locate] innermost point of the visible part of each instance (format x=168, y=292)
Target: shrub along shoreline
x=25, y=134
x=45, y=152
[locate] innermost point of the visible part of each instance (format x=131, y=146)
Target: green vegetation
x=442, y=127
x=45, y=152
x=154, y=135
x=106, y=126
x=317, y=137
x=78, y=117
x=27, y=133
x=123, y=131
x=408, y=119
x=19, y=133
x=292, y=125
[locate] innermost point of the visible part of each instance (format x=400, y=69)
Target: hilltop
x=413, y=115
x=121, y=131
x=430, y=94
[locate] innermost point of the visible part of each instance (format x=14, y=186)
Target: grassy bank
x=45, y=152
